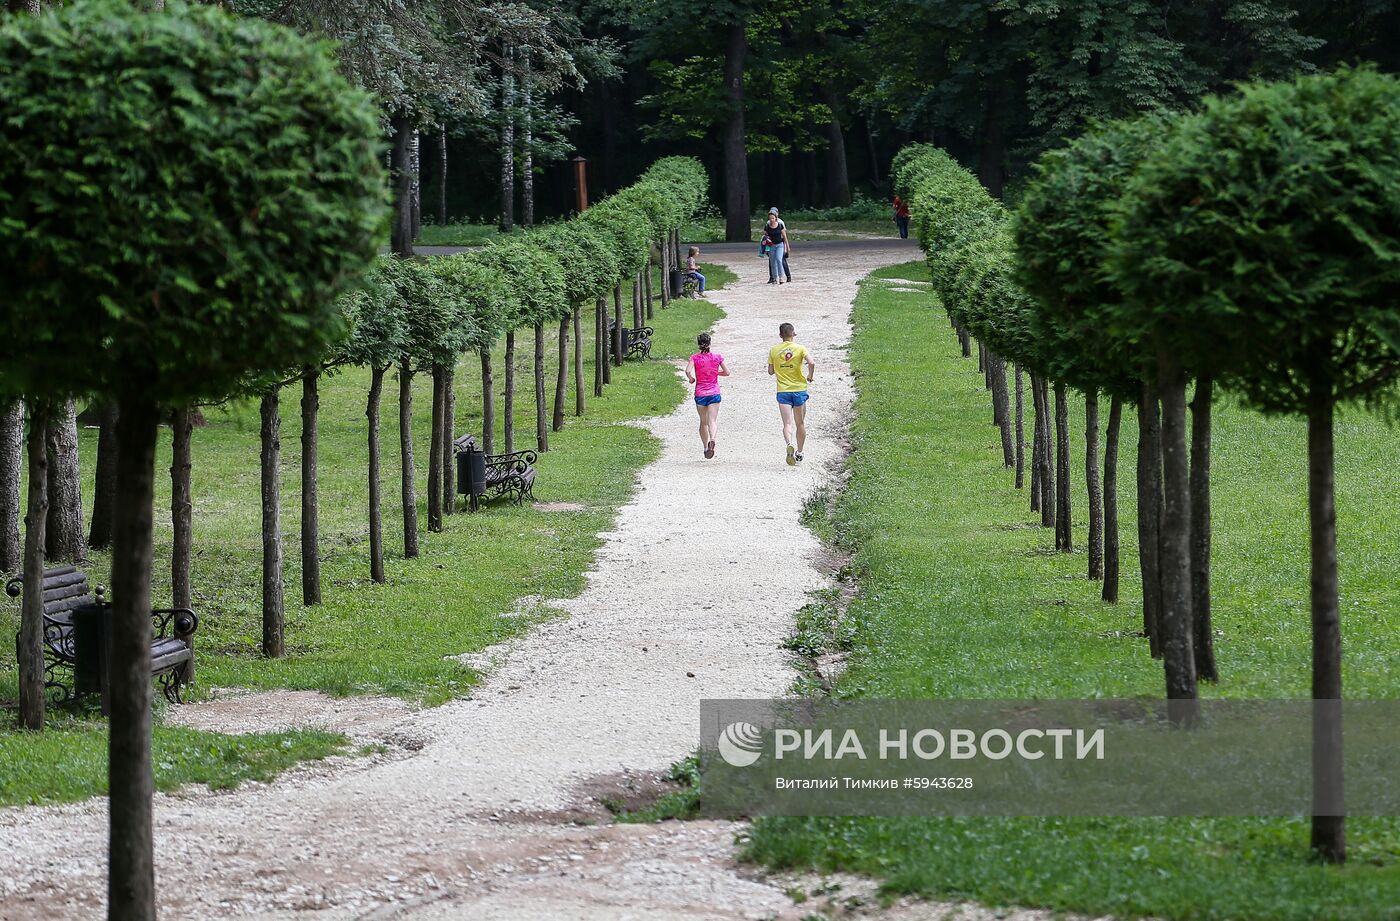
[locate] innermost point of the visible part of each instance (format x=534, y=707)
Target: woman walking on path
x=775, y=238
x=704, y=369
x=787, y=244
x=901, y=217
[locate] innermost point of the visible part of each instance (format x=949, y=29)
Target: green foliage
x=182, y=197
x=377, y=317
x=1264, y=233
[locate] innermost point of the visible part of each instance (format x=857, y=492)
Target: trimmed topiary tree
x=1276, y=214
x=181, y=198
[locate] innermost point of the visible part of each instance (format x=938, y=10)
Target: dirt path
x=475, y=810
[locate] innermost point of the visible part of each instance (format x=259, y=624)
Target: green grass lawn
x=459, y=596
x=962, y=597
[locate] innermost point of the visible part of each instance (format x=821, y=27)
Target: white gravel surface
x=468, y=812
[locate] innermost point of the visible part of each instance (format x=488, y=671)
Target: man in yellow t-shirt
x=793, y=367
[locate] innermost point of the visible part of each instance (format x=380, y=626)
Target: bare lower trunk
x=527, y=142
x=1001, y=400
x=1329, y=823
x=1110, y=500
x=310, y=489
x=1091, y=482
x=1049, y=509
x=1037, y=445
x=11, y=462
x=438, y=421
x=1064, y=519
x=1149, y=474
x=541, y=405
x=31, y=628
x=449, y=427
x=273, y=608
x=104, y=486
x=488, y=404
x=181, y=507
x=616, y=344
x=376, y=503
x=507, y=222
x=838, y=184
x=665, y=272
x=646, y=282
x=1178, y=656
x=408, y=478
x=442, y=176
x=508, y=409
x=64, y=536
x=401, y=230
x=600, y=348
x=131, y=870
x=416, y=187
x=578, y=361
x=1204, y=646
x=1020, y=429
x=561, y=379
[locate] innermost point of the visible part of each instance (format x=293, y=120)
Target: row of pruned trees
x=1252, y=246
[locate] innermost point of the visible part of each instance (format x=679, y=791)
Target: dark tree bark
x=1048, y=504
x=131, y=870
x=541, y=404
x=1001, y=401
x=838, y=182
x=1064, y=519
x=438, y=423
x=1204, y=646
x=64, y=535
x=1149, y=498
x=508, y=408
x=991, y=146
x=1110, y=500
x=870, y=150
x=637, y=301
x=1178, y=657
x=646, y=280
x=615, y=346
x=408, y=477
x=449, y=427
x=966, y=341
x=415, y=160
x=578, y=361
x=181, y=507
x=273, y=606
x=1328, y=824
x=665, y=271
x=31, y=624
x=488, y=404
x=401, y=230
x=442, y=176
x=376, y=502
x=11, y=461
x=561, y=378
x=736, y=164
x=527, y=143
x=600, y=348
x=1091, y=482
x=507, y=223
x=104, y=487
x=1037, y=445
x=310, y=489
x=1020, y=429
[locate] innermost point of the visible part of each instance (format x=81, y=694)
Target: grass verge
x=961, y=598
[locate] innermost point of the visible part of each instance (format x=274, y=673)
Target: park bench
x=76, y=621
x=483, y=476
x=634, y=341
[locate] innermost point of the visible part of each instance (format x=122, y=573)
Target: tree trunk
x=31, y=623
x=1037, y=444
x=1110, y=500
x=11, y=462
x=1091, y=482
x=436, y=426
x=578, y=361
x=1204, y=646
x=442, y=176
x=838, y=182
x=1001, y=401
x=104, y=487
x=508, y=409
x=310, y=489
x=1177, y=654
x=991, y=146
x=1048, y=503
x=870, y=149
x=527, y=152
x=1020, y=430
x=64, y=536
x=600, y=348
x=507, y=223
x=488, y=404
x=646, y=280
x=736, y=165
x=637, y=301
x=1149, y=488
x=415, y=159
x=541, y=404
x=665, y=272
x=1064, y=519
x=273, y=607
x=376, y=504
x=408, y=474
x=615, y=345
x=181, y=507
x=1328, y=824
x=131, y=868
x=401, y=230
x=561, y=380
x=449, y=427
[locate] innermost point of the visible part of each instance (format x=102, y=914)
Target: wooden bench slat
x=67, y=604
x=64, y=579
x=65, y=591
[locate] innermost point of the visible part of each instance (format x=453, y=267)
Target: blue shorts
x=710, y=400
x=792, y=398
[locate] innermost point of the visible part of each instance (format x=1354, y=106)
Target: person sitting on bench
x=692, y=270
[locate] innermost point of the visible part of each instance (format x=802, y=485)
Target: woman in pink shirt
x=704, y=369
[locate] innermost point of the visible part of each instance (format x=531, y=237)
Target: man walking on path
x=793, y=368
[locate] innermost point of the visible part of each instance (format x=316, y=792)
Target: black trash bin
x=677, y=283
x=92, y=647
x=471, y=474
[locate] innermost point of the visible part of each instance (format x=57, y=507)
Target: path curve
x=474, y=821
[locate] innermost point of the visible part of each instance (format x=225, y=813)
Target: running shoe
x=799, y=458
x=791, y=456
x=710, y=449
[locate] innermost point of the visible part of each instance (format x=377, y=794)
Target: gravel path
x=475, y=809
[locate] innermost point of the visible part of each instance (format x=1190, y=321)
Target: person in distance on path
x=704, y=369
x=787, y=244
x=794, y=368
x=775, y=239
